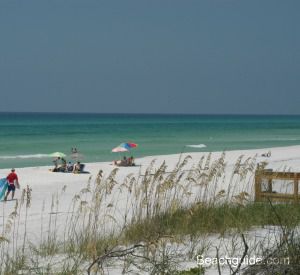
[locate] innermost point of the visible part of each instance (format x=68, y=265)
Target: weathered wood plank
x=268, y=175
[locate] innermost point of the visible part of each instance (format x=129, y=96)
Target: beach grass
x=192, y=271
x=202, y=219
x=161, y=206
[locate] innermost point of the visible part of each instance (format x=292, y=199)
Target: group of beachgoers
x=61, y=165
x=125, y=161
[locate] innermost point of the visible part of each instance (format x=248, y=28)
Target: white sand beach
x=45, y=184
x=48, y=187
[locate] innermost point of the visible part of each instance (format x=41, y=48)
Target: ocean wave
x=196, y=145
x=35, y=156
x=255, y=139
x=283, y=139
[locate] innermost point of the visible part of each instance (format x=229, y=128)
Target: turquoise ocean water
x=26, y=139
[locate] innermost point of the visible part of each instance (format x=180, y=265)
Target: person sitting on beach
x=122, y=162
x=69, y=167
x=130, y=161
x=63, y=166
x=13, y=182
x=76, y=168
x=55, y=169
x=125, y=162
x=266, y=154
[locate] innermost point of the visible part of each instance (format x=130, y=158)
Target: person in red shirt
x=12, y=180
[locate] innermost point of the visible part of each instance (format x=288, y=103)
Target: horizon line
x=132, y=113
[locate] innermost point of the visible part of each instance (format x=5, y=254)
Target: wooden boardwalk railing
x=263, y=175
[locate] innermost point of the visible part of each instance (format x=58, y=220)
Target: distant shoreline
x=26, y=138
x=175, y=156
x=146, y=114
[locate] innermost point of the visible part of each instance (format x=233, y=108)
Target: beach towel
x=3, y=187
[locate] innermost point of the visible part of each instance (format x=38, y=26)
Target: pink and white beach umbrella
x=124, y=147
x=119, y=150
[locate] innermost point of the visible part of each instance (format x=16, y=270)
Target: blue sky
x=170, y=56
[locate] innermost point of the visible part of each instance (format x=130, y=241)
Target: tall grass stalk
x=156, y=207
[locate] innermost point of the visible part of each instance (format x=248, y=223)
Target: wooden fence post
x=296, y=187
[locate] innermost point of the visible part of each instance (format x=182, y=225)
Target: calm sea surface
x=27, y=139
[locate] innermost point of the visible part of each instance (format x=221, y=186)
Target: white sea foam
x=196, y=145
x=35, y=156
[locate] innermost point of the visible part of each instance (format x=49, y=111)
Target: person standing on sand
x=13, y=181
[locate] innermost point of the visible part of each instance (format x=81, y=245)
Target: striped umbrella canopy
x=124, y=147
x=57, y=155
x=128, y=145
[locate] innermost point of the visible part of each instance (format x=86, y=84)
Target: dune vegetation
x=169, y=215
